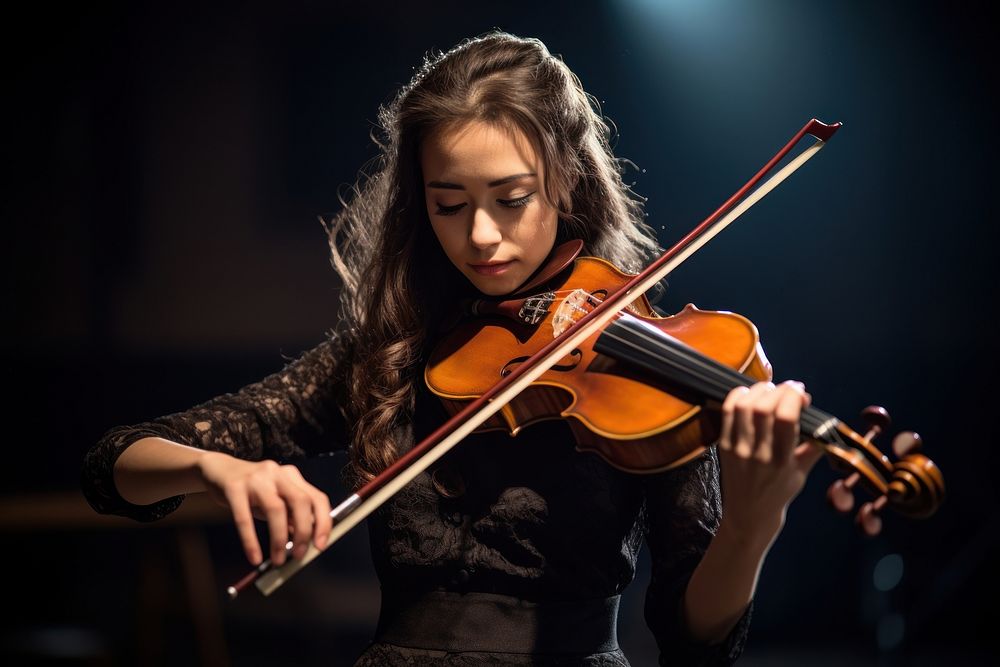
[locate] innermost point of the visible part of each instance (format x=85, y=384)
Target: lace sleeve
x=683, y=509
x=292, y=413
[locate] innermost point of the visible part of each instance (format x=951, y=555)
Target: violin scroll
x=913, y=485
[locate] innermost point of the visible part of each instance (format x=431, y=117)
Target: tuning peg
x=840, y=495
x=878, y=420
x=868, y=519
x=906, y=443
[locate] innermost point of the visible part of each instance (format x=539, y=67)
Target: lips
x=492, y=268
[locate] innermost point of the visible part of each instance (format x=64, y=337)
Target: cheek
x=543, y=231
x=448, y=236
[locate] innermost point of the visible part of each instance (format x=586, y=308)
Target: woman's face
x=483, y=189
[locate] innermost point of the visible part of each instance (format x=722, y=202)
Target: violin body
x=635, y=421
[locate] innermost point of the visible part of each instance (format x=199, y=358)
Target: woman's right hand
x=293, y=508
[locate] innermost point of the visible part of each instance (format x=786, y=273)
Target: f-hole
x=576, y=356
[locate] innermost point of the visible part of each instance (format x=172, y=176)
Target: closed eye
x=449, y=210
x=516, y=203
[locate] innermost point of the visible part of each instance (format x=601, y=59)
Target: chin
x=492, y=290
x=493, y=287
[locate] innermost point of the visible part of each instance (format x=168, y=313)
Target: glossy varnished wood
x=634, y=422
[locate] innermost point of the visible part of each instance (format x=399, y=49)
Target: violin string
x=715, y=379
x=811, y=419
x=702, y=371
x=720, y=376
x=710, y=367
x=678, y=358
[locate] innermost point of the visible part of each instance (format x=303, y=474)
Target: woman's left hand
x=764, y=463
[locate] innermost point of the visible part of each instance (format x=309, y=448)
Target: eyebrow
x=455, y=186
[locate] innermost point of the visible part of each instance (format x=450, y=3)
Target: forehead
x=477, y=150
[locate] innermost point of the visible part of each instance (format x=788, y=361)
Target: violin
x=581, y=342
x=617, y=393
x=640, y=392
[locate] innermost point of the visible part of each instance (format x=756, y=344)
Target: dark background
x=164, y=167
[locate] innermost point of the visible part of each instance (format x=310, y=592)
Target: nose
x=485, y=232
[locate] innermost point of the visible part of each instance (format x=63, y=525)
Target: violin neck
x=700, y=378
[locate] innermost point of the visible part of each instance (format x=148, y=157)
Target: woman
x=509, y=551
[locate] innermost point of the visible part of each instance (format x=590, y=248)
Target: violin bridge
x=573, y=307
x=576, y=305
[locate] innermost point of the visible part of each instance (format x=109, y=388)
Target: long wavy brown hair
x=396, y=279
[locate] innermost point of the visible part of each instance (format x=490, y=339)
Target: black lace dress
x=515, y=525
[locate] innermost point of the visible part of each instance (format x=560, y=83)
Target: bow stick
x=372, y=495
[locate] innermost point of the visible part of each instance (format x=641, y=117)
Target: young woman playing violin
x=508, y=551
